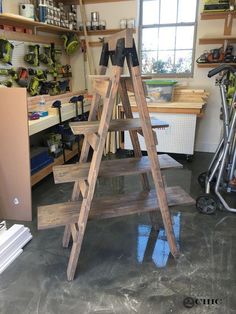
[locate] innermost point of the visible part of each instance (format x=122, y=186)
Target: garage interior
x=123, y=112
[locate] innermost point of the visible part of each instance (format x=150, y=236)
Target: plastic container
x=160, y=90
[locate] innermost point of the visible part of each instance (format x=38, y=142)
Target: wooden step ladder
x=74, y=215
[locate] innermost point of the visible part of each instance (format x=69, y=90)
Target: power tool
x=6, y=50
x=46, y=57
x=71, y=43
x=39, y=76
x=22, y=77
x=216, y=5
x=7, y=83
x=9, y=72
x=32, y=57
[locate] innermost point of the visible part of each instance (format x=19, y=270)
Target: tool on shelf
x=46, y=56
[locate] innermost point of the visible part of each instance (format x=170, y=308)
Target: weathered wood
x=93, y=140
x=127, y=34
x=57, y=215
x=111, y=168
x=84, y=187
x=151, y=150
x=88, y=127
x=101, y=86
x=93, y=171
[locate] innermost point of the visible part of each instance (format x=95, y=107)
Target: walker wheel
x=202, y=179
x=206, y=204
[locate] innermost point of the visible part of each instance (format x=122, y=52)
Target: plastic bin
x=160, y=90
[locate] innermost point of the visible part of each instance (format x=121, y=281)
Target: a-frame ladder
x=124, y=48
x=118, y=48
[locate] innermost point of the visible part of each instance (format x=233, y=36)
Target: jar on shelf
x=131, y=23
x=123, y=23
x=102, y=25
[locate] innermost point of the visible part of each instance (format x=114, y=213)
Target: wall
x=209, y=127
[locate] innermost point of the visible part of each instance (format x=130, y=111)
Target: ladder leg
x=93, y=171
x=151, y=149
x=133, y=134
x=83, y=156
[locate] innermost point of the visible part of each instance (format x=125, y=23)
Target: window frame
x=141, y=27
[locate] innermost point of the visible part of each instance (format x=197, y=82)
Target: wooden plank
x=101, y=86
x=93, y=140
x=127, y=34
x=66, y=2
x=31, y=38
x=18, y=20
x=216, y=40
x=111, y=168
x=87, y=127
x=216, y=15
x=62, y=214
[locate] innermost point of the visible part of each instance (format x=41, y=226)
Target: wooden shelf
x=228, y=17
x=111, y=168
x=217, y=40
x=216, y=15
x=39, y=175
x=56, y=215
x=212, y=65
x=101, y=32
x=66, y=2
x=17, y=20
x=115, y=125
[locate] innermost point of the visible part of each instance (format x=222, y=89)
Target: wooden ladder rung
x=111, y=168
x=87, y=127
x=93, y=140
x=102, y=87
x=62, y=214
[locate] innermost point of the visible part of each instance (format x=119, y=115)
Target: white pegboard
x=178, y=138
x=19, y=51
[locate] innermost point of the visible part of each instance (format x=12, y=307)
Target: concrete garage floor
x=124, y=267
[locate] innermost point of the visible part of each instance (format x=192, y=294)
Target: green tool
x=71, y=43
x=6, y=50
x=7, y=83
x=38, y=76
x=32, y=57
x=46, y=57
x=9, y=72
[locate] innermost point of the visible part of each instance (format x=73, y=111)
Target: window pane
x=187, y=10
x=150, y=12
x=168, y=11
x=184, y=37
x=166, y=38
x=183, y=61
x=149, y=39
x=148, y=59
x=165, y=62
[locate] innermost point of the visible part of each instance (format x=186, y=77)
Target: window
x=167, y=36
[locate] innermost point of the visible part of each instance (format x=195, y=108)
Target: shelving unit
x=91, y=1
x=18, y=20
x=227, y=38
x=39, y=175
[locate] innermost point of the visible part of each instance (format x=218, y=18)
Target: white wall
x=209, y=127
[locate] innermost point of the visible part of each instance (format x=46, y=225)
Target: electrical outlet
x=16, y=201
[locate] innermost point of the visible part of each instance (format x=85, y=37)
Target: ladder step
x=111, y=168
x=102, y=87
x=87, y=127
x=93, y=140
x=62, y=214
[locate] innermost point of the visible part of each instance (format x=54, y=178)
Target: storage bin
x=159, y=90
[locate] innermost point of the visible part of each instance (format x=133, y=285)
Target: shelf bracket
x=228, y=24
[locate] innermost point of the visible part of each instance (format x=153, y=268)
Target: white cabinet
x=179, y=137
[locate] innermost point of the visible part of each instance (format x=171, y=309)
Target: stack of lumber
x=181, y=94
x=12, y=241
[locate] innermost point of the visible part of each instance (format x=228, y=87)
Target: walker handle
x=222, y=67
